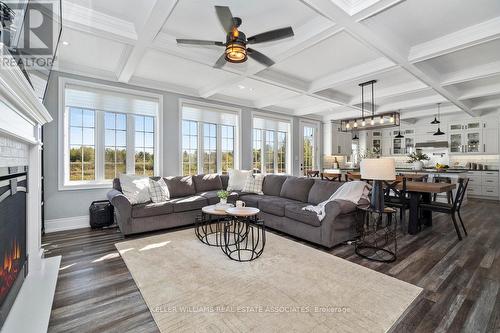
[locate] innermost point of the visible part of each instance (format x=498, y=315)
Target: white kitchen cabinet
x=456, y=143
x=340, y=143
x=490, y=140
x=483, y=184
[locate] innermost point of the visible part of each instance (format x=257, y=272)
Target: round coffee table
x=248, y=230
x=209, y=227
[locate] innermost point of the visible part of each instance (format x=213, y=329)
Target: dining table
x=422, y=191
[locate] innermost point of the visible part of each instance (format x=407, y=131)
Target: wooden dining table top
x=423, y=187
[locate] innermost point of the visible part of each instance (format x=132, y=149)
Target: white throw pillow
x=253, y=184
x=237, y=179
x=135, y=188
x=158, y=190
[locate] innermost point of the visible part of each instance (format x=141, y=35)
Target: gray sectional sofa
x=281, y=207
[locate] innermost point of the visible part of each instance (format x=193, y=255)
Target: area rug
x=189, y=286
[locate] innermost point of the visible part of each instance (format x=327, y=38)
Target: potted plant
x=223, y=195
x=417, y=159
x=6, y=18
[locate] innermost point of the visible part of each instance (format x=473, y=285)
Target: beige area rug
x=191, y=287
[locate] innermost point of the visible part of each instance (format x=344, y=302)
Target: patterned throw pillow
x=158, y=190
x=253, y=184
x=135, y=188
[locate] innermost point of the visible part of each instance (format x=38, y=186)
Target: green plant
x=223, y=194
x=417, y=156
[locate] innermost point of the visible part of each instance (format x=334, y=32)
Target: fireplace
x=13, y=254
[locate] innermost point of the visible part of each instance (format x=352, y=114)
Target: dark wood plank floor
x=96, y=293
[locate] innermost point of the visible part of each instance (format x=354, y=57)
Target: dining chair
x=331, y=176
x=349, y=177
x=449, y=194
x=451, y=209
x=312, y=173
x=396, y=197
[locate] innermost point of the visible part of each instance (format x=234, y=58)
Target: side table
x=209, y=227
x=378, y=235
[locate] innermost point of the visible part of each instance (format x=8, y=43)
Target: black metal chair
x=451, y=209
x=396, y=197
x=449, y=194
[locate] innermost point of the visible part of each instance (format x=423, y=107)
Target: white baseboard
x=67, y=223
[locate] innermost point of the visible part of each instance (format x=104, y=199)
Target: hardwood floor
x=96, y=293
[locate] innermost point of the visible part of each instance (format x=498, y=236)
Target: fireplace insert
x=13, y=253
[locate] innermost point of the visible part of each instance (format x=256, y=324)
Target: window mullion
x=218, y=148
x=130, y=142
x=99, y=146
x=201, y=148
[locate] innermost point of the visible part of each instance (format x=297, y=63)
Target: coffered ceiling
x=421, y=52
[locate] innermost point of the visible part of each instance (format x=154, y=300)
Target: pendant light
x=436, y=121
x=399, y=136
x=439, y=132
x=356, y=137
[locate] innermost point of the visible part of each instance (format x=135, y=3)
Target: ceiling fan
x=236, y=41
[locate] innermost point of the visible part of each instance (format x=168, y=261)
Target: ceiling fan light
x=236, y=52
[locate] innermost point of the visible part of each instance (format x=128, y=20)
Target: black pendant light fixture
x=399, y=136
x=439, y=132
x=355, y=137
x=436, y=121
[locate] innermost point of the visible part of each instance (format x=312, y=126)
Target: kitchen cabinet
x=468, y=141
x=338, y=142
x=484, y=184
x=473, y=142
x=456, y=143
x=490, y=140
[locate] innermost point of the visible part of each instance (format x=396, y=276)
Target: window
x=257, y=150
x=105, y=133
x=144, y=145
x=115, y=142
x=209, y=139
x=308, y=146
x=209, y=148
x=227, y=148
x=82, y=144
x=270, y=145
x=189, y=147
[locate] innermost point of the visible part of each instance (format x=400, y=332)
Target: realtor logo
x=31, y=30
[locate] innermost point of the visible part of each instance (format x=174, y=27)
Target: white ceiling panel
x=470, y=57
x=304, y=102
x=418, y=21
x=253, y=90
x=333, y=54
x=86, y=50
x=463, y=88
x=161, y=67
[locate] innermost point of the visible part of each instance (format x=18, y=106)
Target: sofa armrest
x=123, y=207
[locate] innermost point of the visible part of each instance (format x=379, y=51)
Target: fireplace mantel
x=22, y=115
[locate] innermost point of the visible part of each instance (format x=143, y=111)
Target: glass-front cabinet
x=456, y=143
x=473, y=144
x=409, y=145
x=397, y=146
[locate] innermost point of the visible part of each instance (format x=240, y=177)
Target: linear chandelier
x=373, y=121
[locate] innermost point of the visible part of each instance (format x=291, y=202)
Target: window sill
x=85, y=186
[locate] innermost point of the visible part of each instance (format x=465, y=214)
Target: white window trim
x=63, y=139
x=237, y=134
x=290, y=140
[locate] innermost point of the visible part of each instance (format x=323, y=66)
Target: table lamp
x=378, y=170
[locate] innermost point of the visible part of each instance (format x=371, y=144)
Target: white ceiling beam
x=411, y=103
x=206, y=92
x=395, y=91
x=159, y=14
x=374, y=67
x=484, y=91
x=84, y=19
x=275, y=99
x=473, y=35
x=472, y=73
x=374, y=41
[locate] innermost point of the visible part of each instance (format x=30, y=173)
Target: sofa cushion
x=213, y=199
x=187, y=204
x=135, y=188
x=272, y=184
x=152, y=209
x=252, y=200
x=180, y=186
x=322, y=190
x=296, y=213
x=237, y=179
x=275, y=206
x=204, y=183
x=296, y=188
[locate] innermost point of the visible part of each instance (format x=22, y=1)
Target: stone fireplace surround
x=21, y=116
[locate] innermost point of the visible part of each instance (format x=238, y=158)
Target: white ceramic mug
x=240, y=204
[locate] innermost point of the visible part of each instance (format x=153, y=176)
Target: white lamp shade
x=378, y=169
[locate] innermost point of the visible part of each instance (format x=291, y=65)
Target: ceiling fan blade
x=225, y=17
x=271, y=35
x=257, y=56
x=220, y=62
x=199, y=42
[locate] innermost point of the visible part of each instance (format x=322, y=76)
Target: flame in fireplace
x=9, y=268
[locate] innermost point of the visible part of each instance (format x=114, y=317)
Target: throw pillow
x=135, y=188
x=253, y=184
x=237, y=179
x=158, y=190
